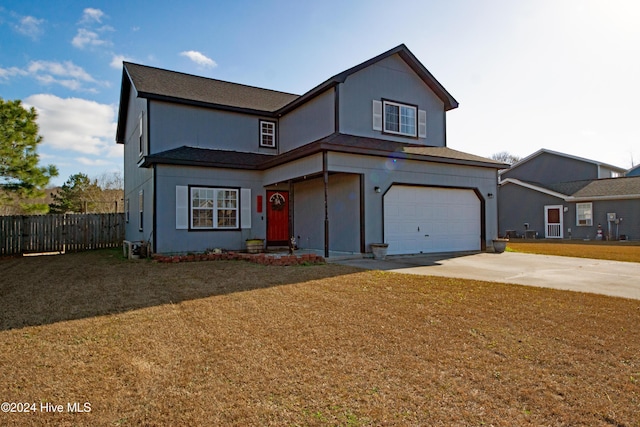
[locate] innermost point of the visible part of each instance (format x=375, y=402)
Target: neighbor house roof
x=343, y=143
x=159, y=84
x=569, y=156
x=596, y=189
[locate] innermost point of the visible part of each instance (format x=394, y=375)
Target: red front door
x=277, y=217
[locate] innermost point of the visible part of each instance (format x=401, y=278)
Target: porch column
x=325, y=176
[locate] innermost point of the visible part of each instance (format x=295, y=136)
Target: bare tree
x=505, y=157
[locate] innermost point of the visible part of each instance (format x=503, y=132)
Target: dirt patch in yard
x=232, y=343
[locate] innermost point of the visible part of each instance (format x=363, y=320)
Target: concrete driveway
x=614, y=278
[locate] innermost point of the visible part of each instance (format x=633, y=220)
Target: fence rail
x=20, y=234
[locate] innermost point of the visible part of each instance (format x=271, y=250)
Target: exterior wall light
x=377, y=189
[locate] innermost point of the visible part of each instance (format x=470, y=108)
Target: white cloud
x=92, y=15
x=86, y=38
x=77, y=125
x=66, y=74
x=5, y=73
x=117, y=60
x=93, y=162
x=30, y=26
x=199, y=59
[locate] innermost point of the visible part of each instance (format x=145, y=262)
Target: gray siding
x=382, y=172
x=176, y=125
x=628, y=210
x=171, y=240
x=135, y=178
x=309, y=122
x=343, y=212
x=394, y=80
x=519, y=205
x=548, y=168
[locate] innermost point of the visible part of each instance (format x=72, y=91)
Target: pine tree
x=20, y=174
x=78, y=194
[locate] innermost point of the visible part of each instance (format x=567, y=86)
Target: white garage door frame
x=481, y=215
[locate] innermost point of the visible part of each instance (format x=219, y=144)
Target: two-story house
x=555, y=195
x=359, y=159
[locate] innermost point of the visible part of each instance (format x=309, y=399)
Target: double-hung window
x=267, y=134
x=214, y=208
x=400, y=118
x=584, y=214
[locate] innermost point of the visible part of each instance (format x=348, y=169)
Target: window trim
x=126, y=210
x=141, y=210
x=263, y=134
x=214, y=226
x=589, y=221
x=400, y=105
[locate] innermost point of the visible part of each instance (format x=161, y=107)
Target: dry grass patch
x=232, y=343
x=615, y=251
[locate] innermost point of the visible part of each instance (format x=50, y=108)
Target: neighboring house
x=555, y=195
x=635, y=171
x=359, y=159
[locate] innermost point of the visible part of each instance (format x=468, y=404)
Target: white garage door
x=428, y=219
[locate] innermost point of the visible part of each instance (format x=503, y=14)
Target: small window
x=141, y=137
x=141, y=210
x=126, y=210
x=267, y=134
x=400, y=119
x=214, y=208
x=584, y=214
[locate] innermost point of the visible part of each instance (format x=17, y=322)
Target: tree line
x=24, y=183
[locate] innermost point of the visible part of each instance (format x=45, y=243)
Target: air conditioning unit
x=611, y=216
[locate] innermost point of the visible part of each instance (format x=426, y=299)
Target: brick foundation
x=264, y=259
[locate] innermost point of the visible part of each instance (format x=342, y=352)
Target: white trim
x=592, y=198
x=271, y=133
x=589, y=221
x=533, y=187
x=214, y=208
x=400, y=107
x=554, y=230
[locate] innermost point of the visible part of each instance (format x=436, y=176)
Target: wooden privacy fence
x=20, y=234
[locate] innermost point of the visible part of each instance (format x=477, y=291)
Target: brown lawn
x=616, y=251
x=232, y=343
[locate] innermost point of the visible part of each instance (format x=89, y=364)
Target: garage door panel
x=428, y=219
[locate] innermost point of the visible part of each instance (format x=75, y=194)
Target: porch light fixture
x=377, y=189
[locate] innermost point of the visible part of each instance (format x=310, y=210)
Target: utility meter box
x=611, y=216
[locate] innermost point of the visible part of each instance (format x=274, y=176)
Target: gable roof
x=568, y=156
x=192, y=156
x=160, y=84
x=595, y=189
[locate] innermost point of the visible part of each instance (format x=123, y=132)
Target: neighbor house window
x=214, y=208
x=584, y=212
x=267, y=134
x=141, y=137
x=141, y=210
x=399, y=118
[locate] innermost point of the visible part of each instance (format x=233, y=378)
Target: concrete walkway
x=612, y=278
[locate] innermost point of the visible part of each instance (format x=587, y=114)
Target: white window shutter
x=182, y=207
x=245, y=208
x=377, y=115
x=422, y=124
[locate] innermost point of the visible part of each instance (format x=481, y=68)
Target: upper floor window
x=584, y=213
x=267, y=134
x=400, y=118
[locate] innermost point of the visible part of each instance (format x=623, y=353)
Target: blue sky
x=528, y=74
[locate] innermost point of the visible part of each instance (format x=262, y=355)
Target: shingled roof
x=193, y=156
x=157, y=83
x=606, y=188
